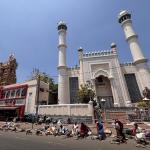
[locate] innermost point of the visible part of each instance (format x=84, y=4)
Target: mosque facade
x=119, y=84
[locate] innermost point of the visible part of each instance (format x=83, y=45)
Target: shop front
x=8, y=111
x=12, y=102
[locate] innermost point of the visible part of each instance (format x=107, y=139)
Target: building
x=20, y=99
x=8, y=71
x=119, y=84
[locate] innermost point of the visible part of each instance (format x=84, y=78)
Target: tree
x=146, y=93
x=85, y=94
x=144, y=104
x=43, y=76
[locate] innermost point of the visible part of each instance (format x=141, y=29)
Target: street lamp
x=103, y=101
x=98, y=113
x=37, y=98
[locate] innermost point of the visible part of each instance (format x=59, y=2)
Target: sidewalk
x=23, y=125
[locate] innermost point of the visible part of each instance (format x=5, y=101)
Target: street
x=16, y=141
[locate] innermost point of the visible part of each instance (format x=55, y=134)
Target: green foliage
x=85, y=94
x=146, y=93
x=144, y=104
x=36, y=74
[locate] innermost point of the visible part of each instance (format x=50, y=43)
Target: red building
x=12, y=101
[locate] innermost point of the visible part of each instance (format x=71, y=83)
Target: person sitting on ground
x=46, y=127
x=75, y=129
x=40, y=120
x=52, y=130
x=48, y=120
x=84, y=129
x=100, y=131
x=136, y=129
x=140, y=139
x=62, y=130
x=119, y=131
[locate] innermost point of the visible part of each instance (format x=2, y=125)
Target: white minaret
x=81, y=77
x=63, y=79
x=132, y=38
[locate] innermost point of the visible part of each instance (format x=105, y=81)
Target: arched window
x=23, y=92
x=18, y=93
x=12, y=93
x=7, y=94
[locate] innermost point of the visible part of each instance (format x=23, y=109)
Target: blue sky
x=28, y=28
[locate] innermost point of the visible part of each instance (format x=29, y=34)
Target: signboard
x=12, y=102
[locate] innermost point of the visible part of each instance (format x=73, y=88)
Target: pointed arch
x=100, y=73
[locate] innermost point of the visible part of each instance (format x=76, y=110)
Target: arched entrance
x=103, y=91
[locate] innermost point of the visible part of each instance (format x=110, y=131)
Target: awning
x=8, y=108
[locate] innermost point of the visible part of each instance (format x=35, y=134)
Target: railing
x=98, y=53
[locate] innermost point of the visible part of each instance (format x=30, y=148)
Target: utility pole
x=37, y=97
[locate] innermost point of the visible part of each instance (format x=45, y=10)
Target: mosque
x=119, y=84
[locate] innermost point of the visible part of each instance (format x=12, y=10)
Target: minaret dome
x=62, y=25
x=80, y=49
x=123, y=16
x=113, y=45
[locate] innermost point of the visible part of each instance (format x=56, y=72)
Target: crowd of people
x=78, y=131
x=141, y=136
x=82, y=131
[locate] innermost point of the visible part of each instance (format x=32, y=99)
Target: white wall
x=43, y=96
x=67, y=109
x=32, y=95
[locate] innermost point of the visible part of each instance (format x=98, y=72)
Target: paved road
x=19, y=141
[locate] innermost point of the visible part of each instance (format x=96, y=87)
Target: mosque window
x=74, y=86
x=133, y=88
